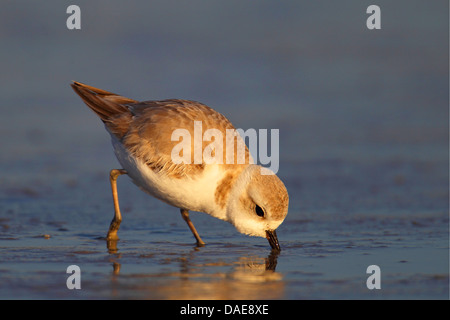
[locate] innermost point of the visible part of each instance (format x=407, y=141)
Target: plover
x=241, y=193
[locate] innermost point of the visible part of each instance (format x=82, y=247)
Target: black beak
x=271, y=235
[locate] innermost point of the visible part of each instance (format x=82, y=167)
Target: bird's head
x=258, y=203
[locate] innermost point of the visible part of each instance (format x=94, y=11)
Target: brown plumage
x=145, y=128
x=226, y=186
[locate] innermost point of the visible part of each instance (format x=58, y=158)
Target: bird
x=144, y=139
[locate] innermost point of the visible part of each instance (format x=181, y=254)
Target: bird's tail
x=105, y=104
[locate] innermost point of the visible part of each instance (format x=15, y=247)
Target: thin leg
x=185, y=215
x=115, y=223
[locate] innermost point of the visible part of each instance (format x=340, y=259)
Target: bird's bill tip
x=271, y=235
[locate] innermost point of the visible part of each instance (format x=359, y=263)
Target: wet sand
x=324, y=254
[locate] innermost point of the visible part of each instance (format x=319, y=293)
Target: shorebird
x=255, y=202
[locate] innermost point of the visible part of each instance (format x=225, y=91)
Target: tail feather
x=105, y=104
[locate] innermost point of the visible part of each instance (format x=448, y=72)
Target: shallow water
x=324, y=254
x=363, y=121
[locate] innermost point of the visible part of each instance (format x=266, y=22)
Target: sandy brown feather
x=105, y=104
x=224, y=186
x=145, y=128
x=153, y=124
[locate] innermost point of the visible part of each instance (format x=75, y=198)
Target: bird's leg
x=115, y=223
x=185, y=215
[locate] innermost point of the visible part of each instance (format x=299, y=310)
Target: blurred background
x=363, y=114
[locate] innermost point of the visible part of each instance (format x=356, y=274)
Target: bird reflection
x=111, y=245
x=256, y=269
x=193, y=275
x=271, y=260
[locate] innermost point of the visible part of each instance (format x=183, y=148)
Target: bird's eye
x=259, y=211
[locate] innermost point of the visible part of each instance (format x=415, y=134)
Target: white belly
x=192, y=193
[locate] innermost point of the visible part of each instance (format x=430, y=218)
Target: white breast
x=194, y=193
